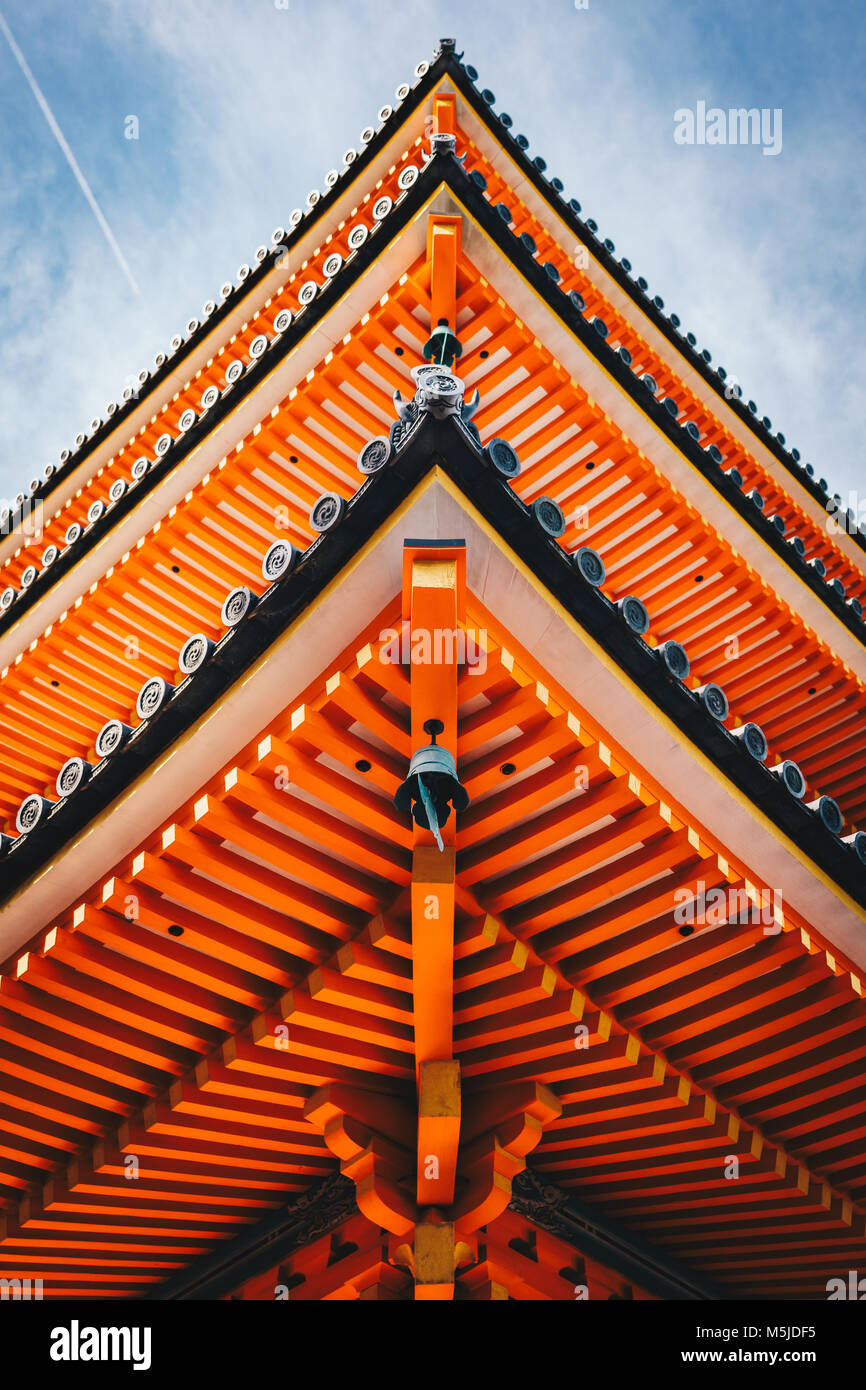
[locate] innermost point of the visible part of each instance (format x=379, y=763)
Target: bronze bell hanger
x=432, y=786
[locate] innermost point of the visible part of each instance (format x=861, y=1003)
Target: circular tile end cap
x=194, y=653
x=829, y=812
x=549, y=516
x=753, y=739
x=327, y=512
x=237, y=604
x=857, y=842
x=111, y=736
x=152, y=696
x=375, y=454
x=635, y=614
x=503, y=457
x=280, y=558
x=675, y=658
x=32, y=810
x=790, y=773
x=590, y=565
x=73, y=774
x=714, y=701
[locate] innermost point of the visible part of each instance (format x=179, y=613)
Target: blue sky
x=243, y=107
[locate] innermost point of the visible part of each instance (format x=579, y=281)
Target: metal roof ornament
x=443, y=143
x=438, y=391
x=443, y=347
x=432, y=786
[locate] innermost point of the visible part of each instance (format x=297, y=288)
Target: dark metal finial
x=443, y=347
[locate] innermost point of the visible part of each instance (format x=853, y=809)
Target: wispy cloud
x=243, y=108
x=69, y=156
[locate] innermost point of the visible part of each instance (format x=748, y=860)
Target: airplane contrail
x=70, y=157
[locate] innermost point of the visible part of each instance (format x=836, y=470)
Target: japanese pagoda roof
x=444, y=171
x=323, y=205
x=236, y=869
x=443, y=446
x=443, y=177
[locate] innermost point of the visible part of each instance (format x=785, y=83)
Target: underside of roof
x=275, y=908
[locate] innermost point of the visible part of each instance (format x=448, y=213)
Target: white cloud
x=253, y=104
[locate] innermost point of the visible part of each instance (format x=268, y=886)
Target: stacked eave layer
x=197, y=919
x=192, y=1053
x=638, y=323
x=653, y=537
x=539, y=210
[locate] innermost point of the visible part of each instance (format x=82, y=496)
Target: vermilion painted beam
x=443, y=254
x=433, y=953
x=445, y=113
x=433, y=579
